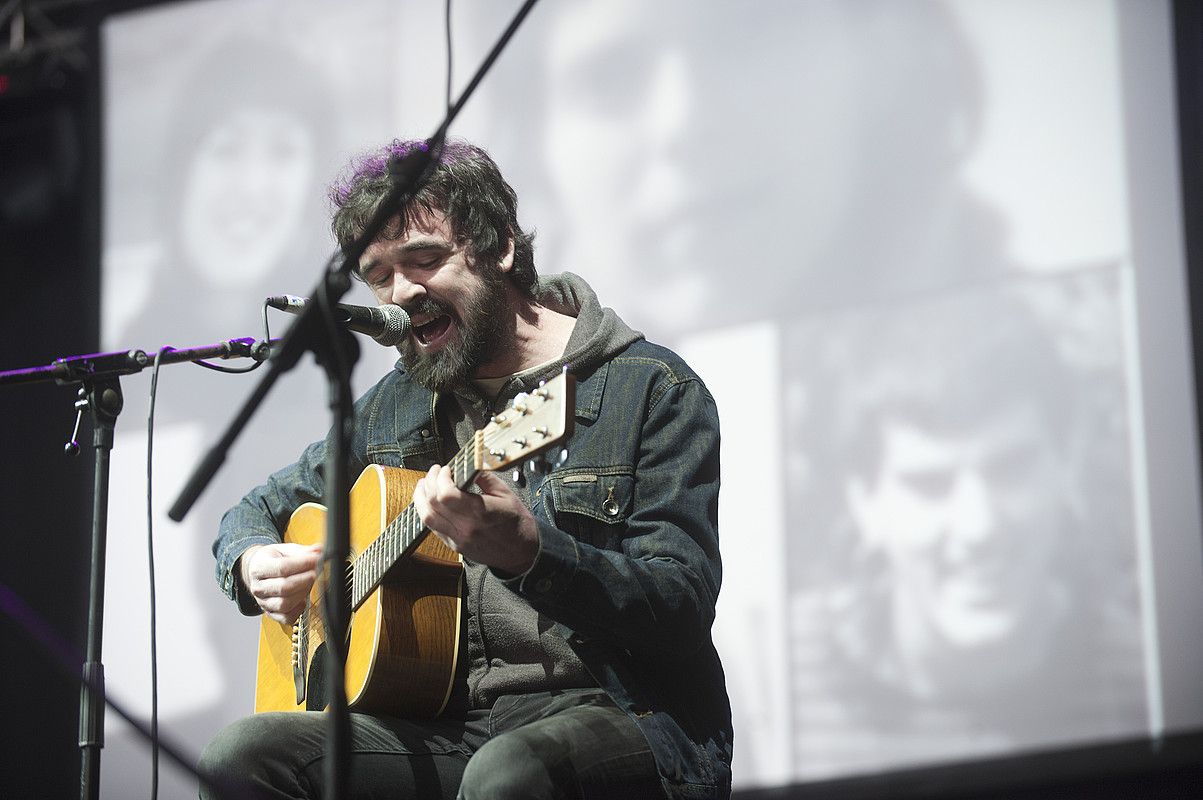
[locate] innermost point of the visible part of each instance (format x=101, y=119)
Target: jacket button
x=610, y=505
x=543, y=585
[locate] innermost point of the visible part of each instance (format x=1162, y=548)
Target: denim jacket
x=628, y=563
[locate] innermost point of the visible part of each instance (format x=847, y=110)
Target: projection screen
x=926, y=255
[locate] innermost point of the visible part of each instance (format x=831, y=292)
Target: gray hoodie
x=507, y=645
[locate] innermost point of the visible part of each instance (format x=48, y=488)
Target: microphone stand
x=98, y=377
x=336, y=354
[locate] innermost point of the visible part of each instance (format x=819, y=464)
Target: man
x=659, y=92
x=586, y=663
x=975, y=588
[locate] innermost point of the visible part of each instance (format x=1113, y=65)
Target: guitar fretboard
x=404, y=533
x=532, y=423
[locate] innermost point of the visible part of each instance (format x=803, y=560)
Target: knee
x=247, y=756
x=506, y=768
x=231, y=750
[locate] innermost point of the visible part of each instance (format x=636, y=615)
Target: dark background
x=50, y=255
x=50, y=179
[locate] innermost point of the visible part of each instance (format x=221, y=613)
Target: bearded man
x=585, y=662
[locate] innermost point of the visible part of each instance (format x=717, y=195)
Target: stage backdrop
x=926, y=255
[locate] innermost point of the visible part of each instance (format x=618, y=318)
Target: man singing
x=586, y=666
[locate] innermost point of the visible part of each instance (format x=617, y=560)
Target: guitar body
x=404, y=637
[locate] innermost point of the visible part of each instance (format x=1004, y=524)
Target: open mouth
x=433, y=332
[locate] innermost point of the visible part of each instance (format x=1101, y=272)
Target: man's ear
x=507, y=259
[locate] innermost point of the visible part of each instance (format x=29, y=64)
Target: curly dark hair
x=465, y=185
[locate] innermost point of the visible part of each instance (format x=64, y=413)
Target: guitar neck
x=531, y=424
x=405, y=532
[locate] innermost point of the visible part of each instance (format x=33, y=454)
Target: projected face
x=679, y=163
x=968, y=522
x=245, y=193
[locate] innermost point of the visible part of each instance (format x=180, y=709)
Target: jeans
x=573, y=744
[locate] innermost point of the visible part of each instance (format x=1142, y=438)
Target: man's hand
x=493, y=528
x=279, y=577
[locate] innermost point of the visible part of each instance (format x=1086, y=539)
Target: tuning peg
x=538, y=466
x=518, y=478
x=560, y=457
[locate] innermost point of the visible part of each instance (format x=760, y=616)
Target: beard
x=481, y=331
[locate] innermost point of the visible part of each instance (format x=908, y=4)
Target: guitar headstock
x=531, y=424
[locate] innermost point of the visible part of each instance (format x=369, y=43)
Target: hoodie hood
x=599, y=333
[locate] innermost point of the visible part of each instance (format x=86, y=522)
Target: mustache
x=428, y=305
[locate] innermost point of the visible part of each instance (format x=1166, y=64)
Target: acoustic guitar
x=404, y=586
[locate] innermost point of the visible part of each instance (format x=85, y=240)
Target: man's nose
x=974, y=512
x=404, y=291
x=665, y=124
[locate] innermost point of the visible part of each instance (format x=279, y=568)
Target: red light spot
x=3, y=83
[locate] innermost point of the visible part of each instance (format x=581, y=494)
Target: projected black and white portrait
x=963, y=575
x=216, y=198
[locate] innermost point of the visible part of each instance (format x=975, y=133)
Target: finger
x=282, y=617
x=447, y=540
x=422, y=504
x=446, y=482
x=265, y=570
x=441, y=488
x=288, y=586
x=421, y=499
x=304, y=554
x=432, y=478
x=453, y=502
x=267, y=590
x=431, y=495
x=274, y=608
x=297, y=549
x=287, y=607
x=297, y=585
x=283, y=563
x=293, y=610
x=442, y=525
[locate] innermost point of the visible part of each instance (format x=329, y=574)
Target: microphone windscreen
x=396, y=325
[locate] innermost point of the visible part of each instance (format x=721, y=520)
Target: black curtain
x=50, y=262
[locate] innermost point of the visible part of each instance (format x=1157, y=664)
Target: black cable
x=228, y=370
x=240, y=370
x=150, y=547
x=150, y=558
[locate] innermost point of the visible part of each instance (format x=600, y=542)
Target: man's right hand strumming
x=279, y=577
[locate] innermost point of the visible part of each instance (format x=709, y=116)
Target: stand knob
x=71, y=448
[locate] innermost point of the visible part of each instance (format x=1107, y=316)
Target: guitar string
x=367, y=568
x=408, y=525
x=381, y=554
x=407, y=519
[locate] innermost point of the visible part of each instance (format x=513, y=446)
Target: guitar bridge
x=300, y=642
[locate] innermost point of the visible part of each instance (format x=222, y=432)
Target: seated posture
x=579, y=660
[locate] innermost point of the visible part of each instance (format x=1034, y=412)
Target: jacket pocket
x=591, y=504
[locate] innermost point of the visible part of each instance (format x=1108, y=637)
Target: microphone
x=388, y=325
